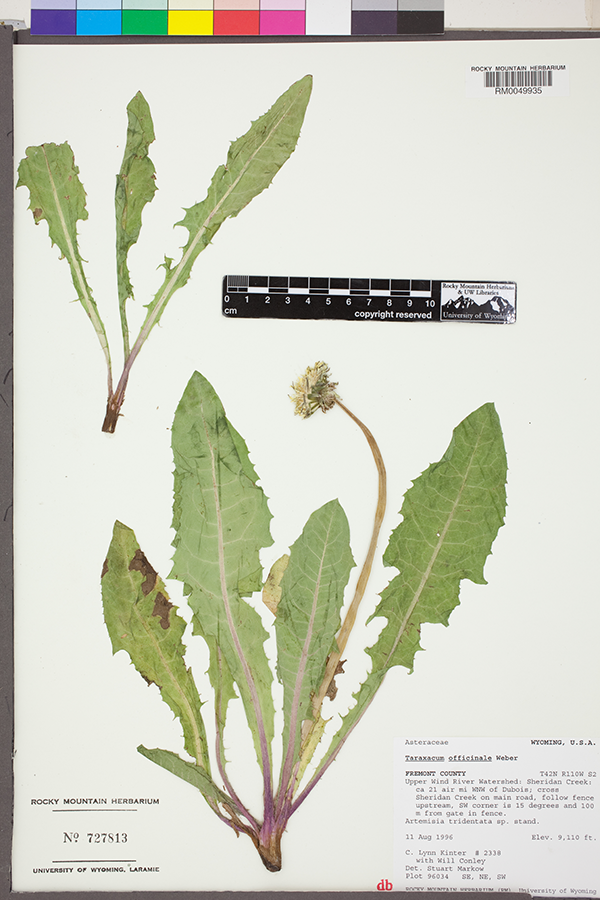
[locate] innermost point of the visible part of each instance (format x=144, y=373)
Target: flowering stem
x=350, y=618
x=348, y=624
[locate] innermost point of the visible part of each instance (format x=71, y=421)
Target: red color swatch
x=236, y=21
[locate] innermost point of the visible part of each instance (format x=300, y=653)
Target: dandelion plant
x=450, y=517
x=57, y=195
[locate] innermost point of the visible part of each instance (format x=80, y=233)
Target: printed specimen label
x=501, y=814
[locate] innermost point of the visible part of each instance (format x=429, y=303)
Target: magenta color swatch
x=282, y=21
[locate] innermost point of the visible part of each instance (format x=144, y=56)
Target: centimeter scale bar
x=368, y=299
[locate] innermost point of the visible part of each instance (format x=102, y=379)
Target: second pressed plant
x=58, y=197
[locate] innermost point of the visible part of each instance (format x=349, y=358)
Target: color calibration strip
x=237, y=17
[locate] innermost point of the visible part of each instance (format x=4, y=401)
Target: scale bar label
x=369, y=299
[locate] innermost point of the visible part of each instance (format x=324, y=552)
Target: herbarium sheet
x=305, y=583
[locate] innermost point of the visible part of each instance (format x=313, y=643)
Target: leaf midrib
x=169, y=287
x=308, y=639
x=77, y=268
x=175, y=683
x=226, y=603
x=434, y=555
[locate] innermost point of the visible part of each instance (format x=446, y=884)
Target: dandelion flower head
x=314, y=390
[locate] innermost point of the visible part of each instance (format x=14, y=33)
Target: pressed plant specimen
x=451, y=516
x=57, y=195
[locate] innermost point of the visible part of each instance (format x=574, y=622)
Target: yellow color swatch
x=190, y=21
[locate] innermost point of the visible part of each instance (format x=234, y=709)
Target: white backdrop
x=396, y=174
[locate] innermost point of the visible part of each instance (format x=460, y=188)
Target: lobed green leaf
x=308, y=613
x=221, y=520
x=252, y=162
x=451, y=516
x=136, y=186
x=56, y=193
x=142, y=621
x=187, y=771
x=57, y=196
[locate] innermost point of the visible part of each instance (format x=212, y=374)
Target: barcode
x=519, y=78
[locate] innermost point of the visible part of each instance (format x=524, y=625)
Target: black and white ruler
x=369, y=299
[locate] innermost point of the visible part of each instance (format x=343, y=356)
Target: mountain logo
x=496, y=309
